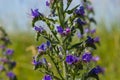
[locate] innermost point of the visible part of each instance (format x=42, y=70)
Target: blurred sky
x=14, y=14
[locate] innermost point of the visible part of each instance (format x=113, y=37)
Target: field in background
x=109, y=51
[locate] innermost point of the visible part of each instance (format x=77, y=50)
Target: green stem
x=49, y=74
x=73, y=77
x=62, y=20
x=57, y=68
x=64, y=63
x=60, y=13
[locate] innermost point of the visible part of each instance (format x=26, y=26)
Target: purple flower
x=9, y=51
x=47, y=77
x=90, y=8
x=79, y=35
x=67, y=30
x=42, y=47
x=80, y=11
x=48, y=43
x=63, y=32
x=87, y=56
x=13, y=64
x=11, y=75
x=60, y=29
x=87, y=30
x=39, y=29
x=90, y=40
x=97, y=70
x=97, y=39
x=2, y=46
x=47, y=3
x=93, y=31
x=1, y=68
x=70, y=59
x=96, y=58
x=36, y=62
x=4, y=60
x=80, y=22
x=35, y=13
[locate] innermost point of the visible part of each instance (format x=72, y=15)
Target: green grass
x=109, y=51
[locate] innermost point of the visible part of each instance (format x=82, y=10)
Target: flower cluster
x=6, y=62
x=63, y=32
x=70, y=55
x=80, y=11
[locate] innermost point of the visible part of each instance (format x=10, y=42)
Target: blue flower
x=97, y=70
x=39, y=29
x=70, y=59
x=93, y=31
x=60, y=29
x=11, y=75
x=36, y=62
x=9, y=51
x=42, y=47
x=80, y=11
x=35, y=13
x=97, y=39
x=87, y=56
x=47, y=3
x=48, y=43
x=47, y=77
x=80, y=22
x=63, y=32
x=12, y=64
x=90, y=40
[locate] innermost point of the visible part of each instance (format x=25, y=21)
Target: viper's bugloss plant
x=7, y=64
x=70, y=42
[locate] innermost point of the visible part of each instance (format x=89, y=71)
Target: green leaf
x=15, y=78
x=72, y=10
x=91, y=45
x=92, y=20
x=80, y=27
x=38, y=35
x=75, y=45
x=35, y=20
x=52, y=20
